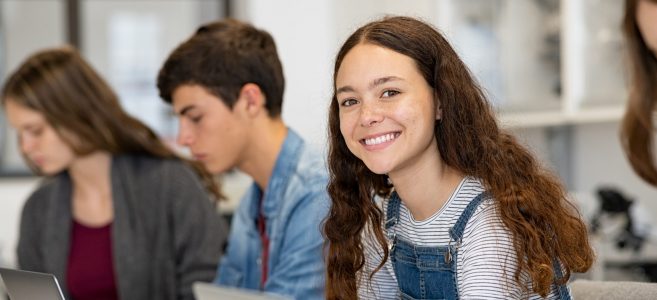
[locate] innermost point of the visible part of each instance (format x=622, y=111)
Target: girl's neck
x=91, y=172
x=426, y=184
x=92, y=194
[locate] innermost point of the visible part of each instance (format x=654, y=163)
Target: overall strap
x=392, y=213
x=562, y=289
x=456, y=232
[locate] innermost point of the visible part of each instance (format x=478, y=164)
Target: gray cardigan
x=165, y=235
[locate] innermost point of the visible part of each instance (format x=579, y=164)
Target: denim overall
x=430, y=272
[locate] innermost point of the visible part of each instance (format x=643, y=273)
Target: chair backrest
x=610, y=290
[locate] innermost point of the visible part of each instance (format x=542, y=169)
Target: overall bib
x=430, y=272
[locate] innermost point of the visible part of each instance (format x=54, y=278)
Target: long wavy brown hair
x=84, y=110
x=531, y=201
x=637, y=129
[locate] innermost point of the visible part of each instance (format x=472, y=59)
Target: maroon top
x=262, y=230
x=90, y=269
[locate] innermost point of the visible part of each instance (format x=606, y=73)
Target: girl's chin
x=379, y=169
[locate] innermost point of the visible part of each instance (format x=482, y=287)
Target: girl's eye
x=349, y=102
x=389, y=93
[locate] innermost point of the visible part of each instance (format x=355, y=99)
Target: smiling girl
x=465, y=211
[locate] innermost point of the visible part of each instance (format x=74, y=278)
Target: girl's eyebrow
x=31, y=126
x=373, y=84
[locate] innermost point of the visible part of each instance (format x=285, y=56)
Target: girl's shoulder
x=486, y=223
x=51, y=192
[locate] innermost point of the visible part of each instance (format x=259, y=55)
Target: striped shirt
x=486, y=261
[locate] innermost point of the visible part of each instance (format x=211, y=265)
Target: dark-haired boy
x=226, y=85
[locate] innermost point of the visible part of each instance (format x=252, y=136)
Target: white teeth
x=380, y=139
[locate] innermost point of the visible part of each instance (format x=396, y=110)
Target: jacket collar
x=284, y=168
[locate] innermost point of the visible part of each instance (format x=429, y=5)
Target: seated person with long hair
x=118, y=214
x=638, y=126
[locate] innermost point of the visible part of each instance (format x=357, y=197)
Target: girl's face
x=40, y=143
x=646, y=18
x=387, y=109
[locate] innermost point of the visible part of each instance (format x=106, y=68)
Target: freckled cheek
x=417, y=122
x=406, y=117
x=346, y=125
x=347, y=128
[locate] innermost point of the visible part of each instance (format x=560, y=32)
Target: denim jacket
x=294, y=204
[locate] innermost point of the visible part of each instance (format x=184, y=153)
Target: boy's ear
x=252, y=98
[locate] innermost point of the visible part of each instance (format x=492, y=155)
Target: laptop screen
x=26, y=285
x=208, y=291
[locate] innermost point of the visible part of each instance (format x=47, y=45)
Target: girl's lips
x=37, y=161
x=377, y=139
x=380, y=141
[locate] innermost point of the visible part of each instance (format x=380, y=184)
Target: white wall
x=30, y=25
x=305, y=44
x=13, y=193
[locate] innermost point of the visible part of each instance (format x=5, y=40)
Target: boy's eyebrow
x=373, y=84
x=186, y=109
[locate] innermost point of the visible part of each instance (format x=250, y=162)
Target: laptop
x=208, y=291
x=26, y=285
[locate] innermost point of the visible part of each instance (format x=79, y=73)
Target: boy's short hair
x=222, y=57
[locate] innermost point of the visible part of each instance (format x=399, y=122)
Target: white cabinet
x=543, y=62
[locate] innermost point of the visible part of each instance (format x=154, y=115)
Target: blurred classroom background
x=553, y=69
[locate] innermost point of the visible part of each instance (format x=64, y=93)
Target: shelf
x=513, y=120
